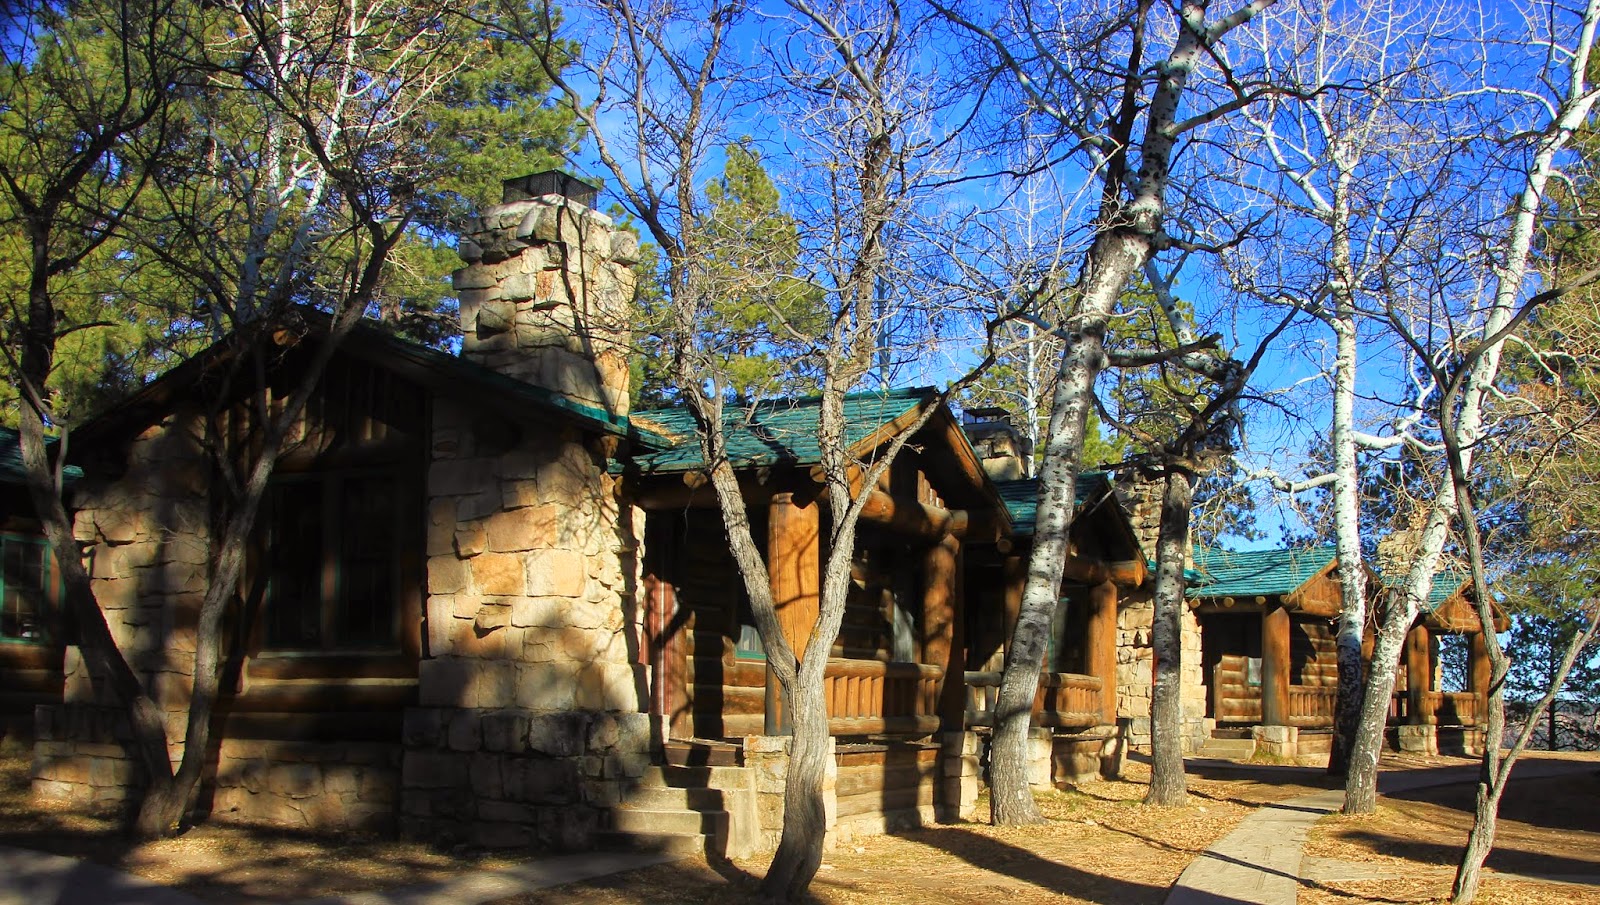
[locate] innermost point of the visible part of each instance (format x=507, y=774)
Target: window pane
x=294, y=605
x=23, y=609
x=369, y=522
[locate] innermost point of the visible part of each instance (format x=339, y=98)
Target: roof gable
x=1257, y=573
x=439, y=371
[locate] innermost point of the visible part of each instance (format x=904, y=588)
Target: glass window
x=333, y=558
x=24, y=580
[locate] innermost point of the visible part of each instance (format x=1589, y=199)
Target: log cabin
x=1267, y=621
x=485, y=603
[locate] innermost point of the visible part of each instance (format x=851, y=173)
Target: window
x=333, y=562
x=25, y=577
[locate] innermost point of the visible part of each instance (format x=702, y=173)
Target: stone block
x=294, y=780
x=558, y=734
x=548, y=686
x=487, y=777
x=447, y=574
x=465, y=732
x=434, y=770
x=505, y=731
x=499, y=574
x=1418, y=739
x=469, y=540
x=539, y=611
x=556, y=573
x=527, y=528
x=537, y=780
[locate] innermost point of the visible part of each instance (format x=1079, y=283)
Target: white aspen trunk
x=1124, y=244
x=1346, y=487
x=1361, y=785
x=1168, y=786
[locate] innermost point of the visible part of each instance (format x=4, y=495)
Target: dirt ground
x=1100, y=846
x=1548, y=829
x=221, y=862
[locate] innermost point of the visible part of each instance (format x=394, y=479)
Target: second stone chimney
x=546, y=292
x=1005, y=453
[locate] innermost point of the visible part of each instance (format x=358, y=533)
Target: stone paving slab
x=1259, y=863
x=35, y=878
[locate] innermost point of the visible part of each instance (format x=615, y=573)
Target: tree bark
x=1125, y=239
x=1168, y=787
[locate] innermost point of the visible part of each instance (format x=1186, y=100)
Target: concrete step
x=648, y=822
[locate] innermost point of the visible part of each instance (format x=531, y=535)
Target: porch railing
x=1063, y=700
x=871, y=697
x=1444, y=708
x=1311, y=706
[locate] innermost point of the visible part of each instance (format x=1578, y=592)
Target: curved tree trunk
x=799, y=852
x=1168, y=786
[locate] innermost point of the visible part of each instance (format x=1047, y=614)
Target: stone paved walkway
x=1260, y=862
x=35, y=878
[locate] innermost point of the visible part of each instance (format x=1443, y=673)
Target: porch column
x=794, y=540
x=1419, y=676
x=1100, y=644
x=1015, y=576
x=1478, y=674
x=1275, y=666
x=941, y=627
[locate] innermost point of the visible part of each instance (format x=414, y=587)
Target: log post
x=1015, y=576
x=1478, y=674
x=941, y=627
x=1275, y=666
x=1419, y=677
x=1100, y=644
x=794, y=539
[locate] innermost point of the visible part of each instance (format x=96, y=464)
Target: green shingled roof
x=1445, y=585
x=771, y=432
x=1257, y=573
x=1022, y=497
x=11, y=469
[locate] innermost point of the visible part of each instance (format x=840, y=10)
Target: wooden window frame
x=407, y=548
x=49, y=590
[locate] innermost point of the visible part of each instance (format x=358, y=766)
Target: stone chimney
x=1006, y=454
x=1141, y=498
x=546, y=291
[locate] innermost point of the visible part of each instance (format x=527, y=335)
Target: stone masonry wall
x=145, y=537
x=531, y=721
x=545, y=298
x=1135, y=664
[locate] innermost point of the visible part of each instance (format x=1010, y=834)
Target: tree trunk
x=1168, y=787
x=799, y=852
x=1361, y=779
x=1346, y=518
x=1112, y=262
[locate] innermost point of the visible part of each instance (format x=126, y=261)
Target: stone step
x=702, y=754
x=648, y=822
x=676, y=798
x=675, y=777
x=666, y=843
x=1228, y=748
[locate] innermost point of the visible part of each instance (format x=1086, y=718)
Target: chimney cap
x=549, y=182
x=986, y=414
